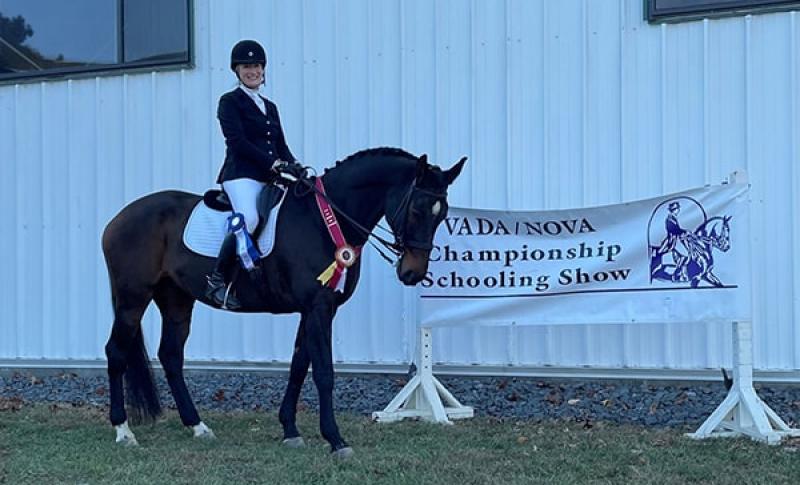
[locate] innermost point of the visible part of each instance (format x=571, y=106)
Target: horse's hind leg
x=176, y=307
x=297, y=375
x=712, y=278
x=127, y=359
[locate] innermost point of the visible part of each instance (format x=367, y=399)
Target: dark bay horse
x=148, y=261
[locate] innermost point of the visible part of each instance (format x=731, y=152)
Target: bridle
x=400, y=243
x=403, y=209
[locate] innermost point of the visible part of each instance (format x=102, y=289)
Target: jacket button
x=270, y=152
x=269, y=133
x=268, y=122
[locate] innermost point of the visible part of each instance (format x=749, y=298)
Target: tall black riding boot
x=219, y=290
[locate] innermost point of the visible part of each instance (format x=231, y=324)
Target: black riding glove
x=292, y=168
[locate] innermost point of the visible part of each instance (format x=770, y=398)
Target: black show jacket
x=253, y=141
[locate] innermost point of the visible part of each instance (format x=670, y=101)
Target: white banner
x=678, y=258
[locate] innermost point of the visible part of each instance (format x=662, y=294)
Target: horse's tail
x=140, y=388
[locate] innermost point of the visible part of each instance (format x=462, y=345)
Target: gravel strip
x=503, y=397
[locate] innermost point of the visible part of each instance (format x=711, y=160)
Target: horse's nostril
x=408, y=277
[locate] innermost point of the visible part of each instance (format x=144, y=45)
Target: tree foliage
x=14, y=30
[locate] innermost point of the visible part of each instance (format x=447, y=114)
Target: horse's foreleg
x=297, y=375
x=319, y=326
x=176, y=311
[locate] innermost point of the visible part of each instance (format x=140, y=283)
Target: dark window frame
x=702, y=9
x=79, y=72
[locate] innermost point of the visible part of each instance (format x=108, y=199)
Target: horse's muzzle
x=410, y=278
x=413, y=266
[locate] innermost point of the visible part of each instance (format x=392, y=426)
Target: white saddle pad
x=206, y=227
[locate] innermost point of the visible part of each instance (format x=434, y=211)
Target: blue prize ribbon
x=247, y=251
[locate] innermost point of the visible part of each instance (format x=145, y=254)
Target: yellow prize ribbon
x=326, y=275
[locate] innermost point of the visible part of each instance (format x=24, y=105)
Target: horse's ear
x=422, y=165
x=451, y=174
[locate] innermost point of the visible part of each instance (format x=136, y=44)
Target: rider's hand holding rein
x=294, y=169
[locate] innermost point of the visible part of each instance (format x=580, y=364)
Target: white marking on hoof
x=125, y=436
x=203, y=431
x=296, y=442
x=343, y=453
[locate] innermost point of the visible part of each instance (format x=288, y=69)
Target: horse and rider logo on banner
x=686, y=255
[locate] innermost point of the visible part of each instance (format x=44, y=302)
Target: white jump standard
x=743, y=412
x=423, y=395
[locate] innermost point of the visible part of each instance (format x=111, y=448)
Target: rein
x=398, y=246
x=394, y=247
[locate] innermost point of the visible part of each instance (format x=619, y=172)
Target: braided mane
x=378, y=151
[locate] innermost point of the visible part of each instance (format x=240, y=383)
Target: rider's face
x=251, y=75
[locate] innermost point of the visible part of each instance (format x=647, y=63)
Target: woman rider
x=255, y=152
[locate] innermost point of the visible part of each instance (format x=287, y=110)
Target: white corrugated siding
x=558, y=104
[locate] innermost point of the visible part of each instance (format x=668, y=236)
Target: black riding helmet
x=247, y=52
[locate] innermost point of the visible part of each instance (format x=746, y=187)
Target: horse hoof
x=343, y=453
x=296, y=442
x=125, y=436
x=127, y=441
x=203, y=432
x=208, y=435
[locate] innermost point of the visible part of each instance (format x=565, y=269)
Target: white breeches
x=243, y=194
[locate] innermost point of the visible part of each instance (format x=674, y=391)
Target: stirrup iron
x=227, y=294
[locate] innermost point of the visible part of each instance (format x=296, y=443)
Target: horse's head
x=724, y=236
x=414, y=212
x=717, y=231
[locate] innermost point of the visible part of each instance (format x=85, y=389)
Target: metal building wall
x=558, y=104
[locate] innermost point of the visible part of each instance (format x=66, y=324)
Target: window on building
x=680, y=10
x=48, y=38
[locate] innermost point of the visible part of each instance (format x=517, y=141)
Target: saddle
x=207, y=224
x=269, y=197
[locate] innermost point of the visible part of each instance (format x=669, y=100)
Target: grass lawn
x=59, y=444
